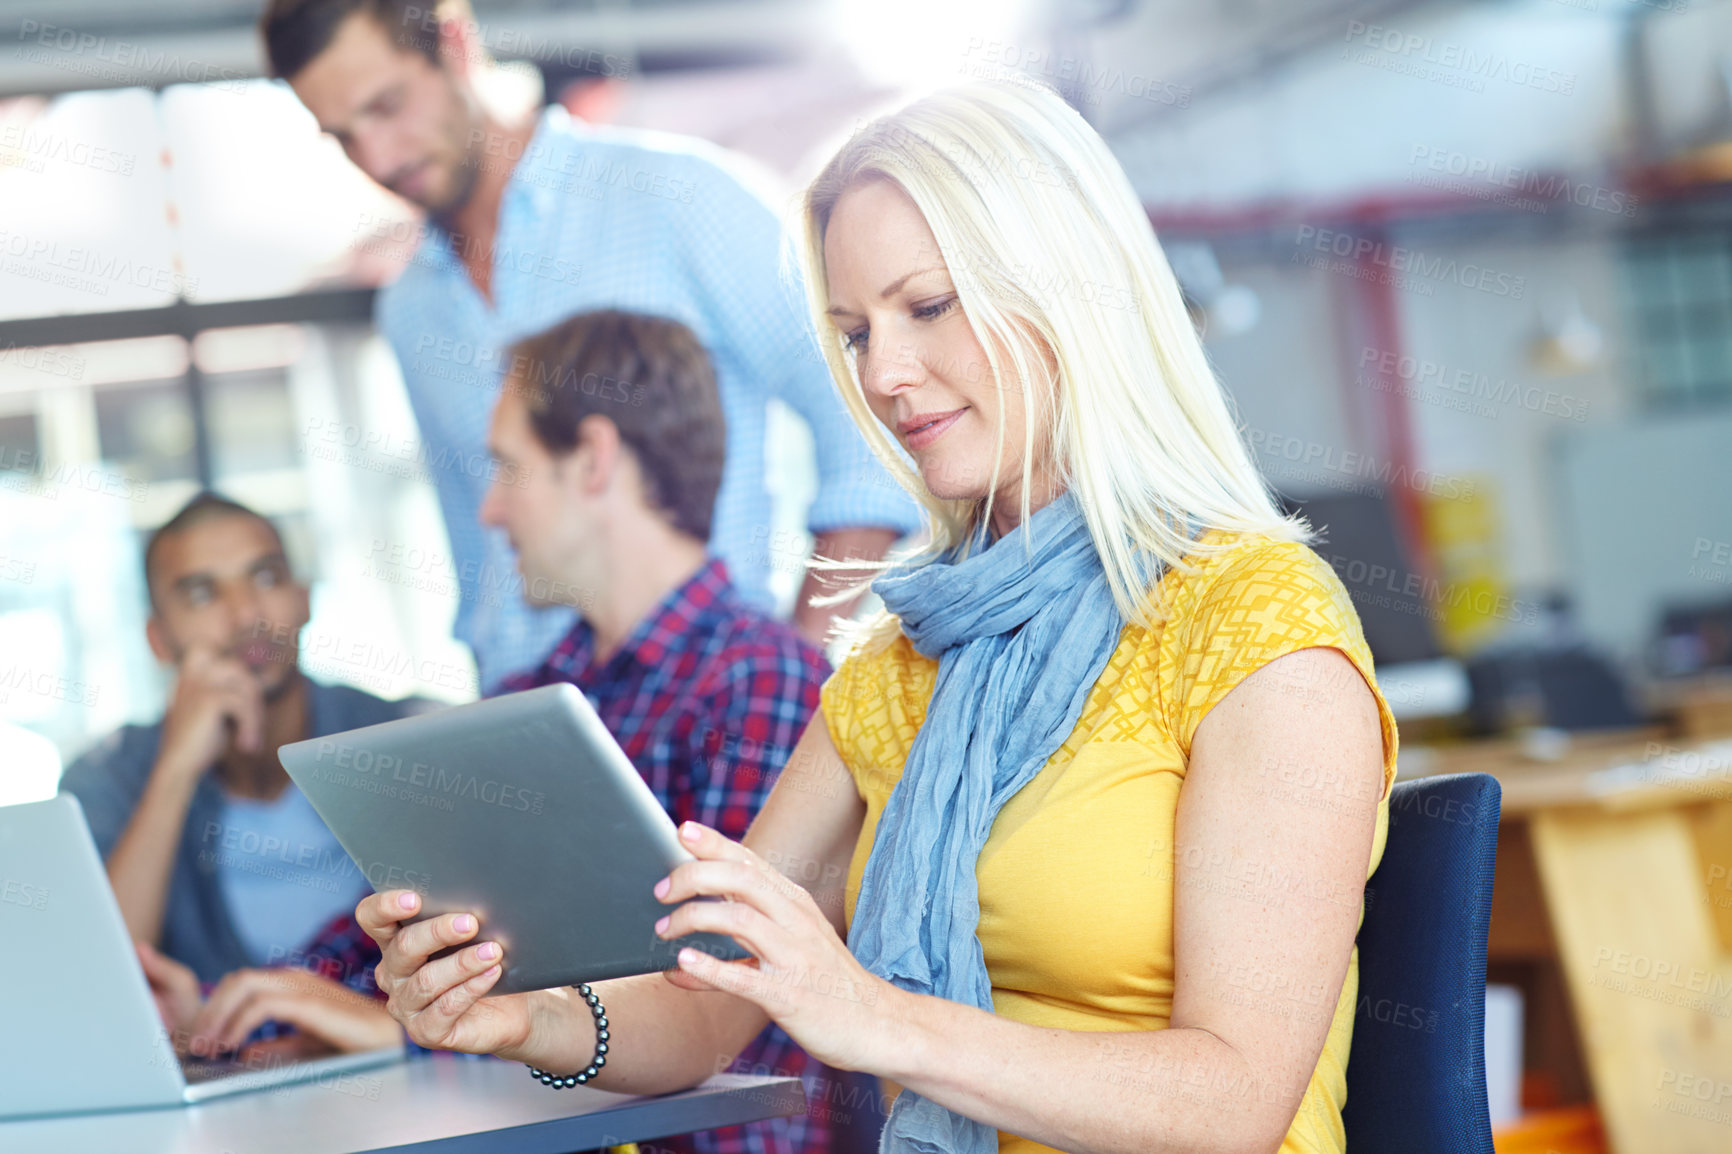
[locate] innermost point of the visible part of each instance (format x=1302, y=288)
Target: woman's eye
x=927, y=312
x=855, y=342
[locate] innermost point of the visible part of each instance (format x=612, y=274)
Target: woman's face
x=924, y=374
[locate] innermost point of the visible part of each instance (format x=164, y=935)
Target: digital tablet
x=521, y=809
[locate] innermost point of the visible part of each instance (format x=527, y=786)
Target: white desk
x=425, y=1105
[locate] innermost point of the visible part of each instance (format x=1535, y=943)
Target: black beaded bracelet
x=596, y=1063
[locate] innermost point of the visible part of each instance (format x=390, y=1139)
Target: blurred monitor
x=1568, y=689
x=1694, y=639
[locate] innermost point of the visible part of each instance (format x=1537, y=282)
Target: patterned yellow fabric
x=1076, y=879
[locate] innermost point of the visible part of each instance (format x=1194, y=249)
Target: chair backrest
x=1416, y=1072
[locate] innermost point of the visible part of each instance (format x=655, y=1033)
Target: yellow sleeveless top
x=1076, y=878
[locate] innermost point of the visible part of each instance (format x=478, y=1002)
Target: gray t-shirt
x=109, y=781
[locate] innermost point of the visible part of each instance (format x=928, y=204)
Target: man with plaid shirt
x=609, y=440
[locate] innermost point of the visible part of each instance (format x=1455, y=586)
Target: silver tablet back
x=521, y=808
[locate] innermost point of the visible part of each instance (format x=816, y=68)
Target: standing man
x=535, y=221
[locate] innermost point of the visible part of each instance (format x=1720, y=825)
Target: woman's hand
x=802, y=973
x=329, y=1015
x=440, y=1004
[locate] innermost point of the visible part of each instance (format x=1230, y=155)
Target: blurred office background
x=1465, y=268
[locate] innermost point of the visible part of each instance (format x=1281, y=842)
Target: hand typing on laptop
x=327, y=1016
x=102, y=984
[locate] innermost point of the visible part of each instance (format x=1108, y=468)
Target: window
x=1679, y=287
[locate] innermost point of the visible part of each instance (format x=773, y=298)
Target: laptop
x=81, y=1030
x=521, y=808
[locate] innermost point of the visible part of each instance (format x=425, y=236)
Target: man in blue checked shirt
x=536, y=221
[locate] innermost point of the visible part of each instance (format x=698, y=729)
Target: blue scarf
x=1020, y=642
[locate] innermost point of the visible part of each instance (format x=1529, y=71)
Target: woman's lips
x=926, y=434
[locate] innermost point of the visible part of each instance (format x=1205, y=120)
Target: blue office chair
x=1416, y=1073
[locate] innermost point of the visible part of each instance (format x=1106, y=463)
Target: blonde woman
x=1075, y=858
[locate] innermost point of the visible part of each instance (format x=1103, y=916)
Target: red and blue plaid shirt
x=707, y=696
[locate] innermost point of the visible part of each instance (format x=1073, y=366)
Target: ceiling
x=1166, y=81
x=81, y=44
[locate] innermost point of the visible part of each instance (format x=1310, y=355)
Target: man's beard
x=287, y=685
x=468, y=172
x=467, y=176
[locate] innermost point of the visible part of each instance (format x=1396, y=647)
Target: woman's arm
x=667, y=1032
x=1267, y=897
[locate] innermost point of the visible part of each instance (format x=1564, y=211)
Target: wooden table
x=1613, y=910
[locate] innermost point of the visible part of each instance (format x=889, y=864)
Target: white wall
x=1648, y=509
x=1490, y=337
x=1296, y=374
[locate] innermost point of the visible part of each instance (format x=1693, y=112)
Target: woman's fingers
x=433, y=978
x=407, y=955
x=433, y=1024
x=778, y=896
x=685, y=981
x=416, y=943
x=381, y=915
x=702, y=971
x=426, y=996
x=761, y=935
x=704, y=842
x=763, y=910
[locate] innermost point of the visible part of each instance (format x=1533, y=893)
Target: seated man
x=610, y=439
x=218, y=862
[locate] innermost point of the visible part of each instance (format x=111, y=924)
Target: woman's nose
x=894, y=369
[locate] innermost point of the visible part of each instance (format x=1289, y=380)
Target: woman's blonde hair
x=1045, y=238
